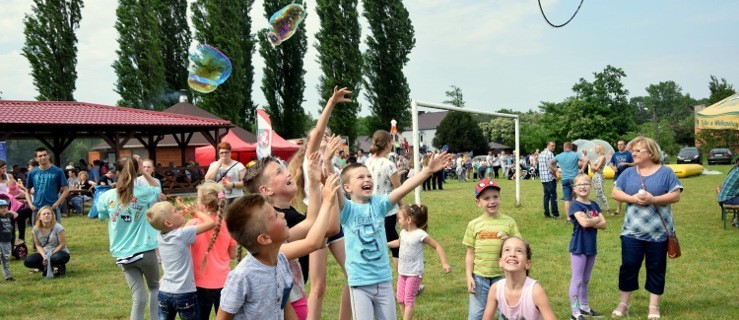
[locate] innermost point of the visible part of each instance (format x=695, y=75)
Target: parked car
x=689, y=155
x=720, y=155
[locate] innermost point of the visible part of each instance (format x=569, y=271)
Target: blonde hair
x=581, y=176
x=127, y=170
x=651, y=147
x=208, y=196
x=599, y=149
x=87, y=177
x=40, y=224
x=158, y=213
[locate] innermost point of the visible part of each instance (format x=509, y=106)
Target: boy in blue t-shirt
x=363, y=219
x=177, y=292
x=619, y=162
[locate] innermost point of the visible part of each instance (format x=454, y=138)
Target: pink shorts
x=301, y=308
x=408, y=289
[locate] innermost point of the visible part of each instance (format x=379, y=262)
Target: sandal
x=617, y=314
x=653, y=316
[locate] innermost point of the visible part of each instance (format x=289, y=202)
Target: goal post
x=416, y=148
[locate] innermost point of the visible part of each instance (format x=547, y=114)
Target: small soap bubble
x=199, y=86
x=208, y=65
x=285, y=23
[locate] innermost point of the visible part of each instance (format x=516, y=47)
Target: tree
x=719, y=90
x=341, y=61
x=388, y=47
x=140, y=66
x=455, y=97
x=667, y=102
x=283, y=84
x=228, y=29
x=460, y=133
x=175, y=32
x=51, y=47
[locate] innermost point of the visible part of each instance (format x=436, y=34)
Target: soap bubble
x=285, y=23
x=199, y=86
x=208, y=65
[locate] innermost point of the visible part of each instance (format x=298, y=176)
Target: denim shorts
x=567, y=189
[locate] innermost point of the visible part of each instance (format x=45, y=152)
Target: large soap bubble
x=208, y=65
x=285, y=23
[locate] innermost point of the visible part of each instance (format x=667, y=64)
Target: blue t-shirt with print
x=642, y=222
x=618, y=159
x=568, y=163
x=46, y=185
x=367, y=260
x=128, y=229
x=584, y=240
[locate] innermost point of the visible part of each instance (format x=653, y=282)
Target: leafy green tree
x=388, y=46
x=666, y=101
x=176, y=38
x=664, y=136
x=456, y=98
x=228, y=29
x=341, y=60
x=51, y=47
x=500, y=130
x=140, y=66
x=363, y=126
x=711, y=138
x=533, y=134
x=641, y=110
x=283, y=84
x=719, y=90
x=460, y=133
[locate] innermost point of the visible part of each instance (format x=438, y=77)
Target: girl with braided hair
x=212, y=250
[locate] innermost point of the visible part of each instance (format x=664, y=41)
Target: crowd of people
x=289, y=216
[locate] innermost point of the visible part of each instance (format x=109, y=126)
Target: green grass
x=703, y=284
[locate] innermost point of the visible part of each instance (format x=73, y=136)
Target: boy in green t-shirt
x=483, y=238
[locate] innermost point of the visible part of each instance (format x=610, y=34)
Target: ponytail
x=127, y=170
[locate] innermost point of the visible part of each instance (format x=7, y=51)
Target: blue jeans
x=479, y=300
x=207, y=299
x=633, y=252
x=170, y=304
x=567, y=190
x=550, y=198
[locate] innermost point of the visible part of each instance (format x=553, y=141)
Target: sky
x=502, y=54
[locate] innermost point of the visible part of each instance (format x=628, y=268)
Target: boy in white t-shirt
x=178, y=283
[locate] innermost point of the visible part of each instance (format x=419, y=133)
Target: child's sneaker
x=10, y=279
x=591, y=313
x=578, y=317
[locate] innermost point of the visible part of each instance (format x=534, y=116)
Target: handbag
x=673, y=244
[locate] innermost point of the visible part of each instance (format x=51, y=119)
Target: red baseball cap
x=483, y=184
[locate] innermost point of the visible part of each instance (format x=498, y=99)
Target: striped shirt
x=544, y=174
x=484, y=235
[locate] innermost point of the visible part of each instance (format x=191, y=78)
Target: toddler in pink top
x=517, y=296
x=212, y=251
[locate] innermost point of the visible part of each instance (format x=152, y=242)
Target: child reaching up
x=177, y=292
x=213, y=250
x=483, y=239
x=517, y=296
x=412, y=219
x=586, y=220
x=363, y=217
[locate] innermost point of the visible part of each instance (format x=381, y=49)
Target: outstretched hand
x=314, y=169
x=437, y=161
x=331, y=188
x=340, y=95
x=333, y=145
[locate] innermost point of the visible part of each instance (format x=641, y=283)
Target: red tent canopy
x=244, y=152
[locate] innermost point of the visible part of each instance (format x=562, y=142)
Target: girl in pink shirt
x=517, y=296
x=212, y=251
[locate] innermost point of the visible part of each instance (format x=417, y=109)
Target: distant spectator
x=49, y=185
x=361, y=158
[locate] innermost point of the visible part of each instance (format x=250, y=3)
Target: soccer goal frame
x=416, y=147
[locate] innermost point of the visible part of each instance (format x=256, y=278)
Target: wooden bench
x=728, y=208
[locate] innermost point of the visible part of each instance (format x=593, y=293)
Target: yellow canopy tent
x=722, y=115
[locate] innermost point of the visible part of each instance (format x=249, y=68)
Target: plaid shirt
x=642, y=222
x=544, y=174
x=730, y=187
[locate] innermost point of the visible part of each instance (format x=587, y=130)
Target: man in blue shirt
x=567, y=161
x=49, y=185
x=619, y=162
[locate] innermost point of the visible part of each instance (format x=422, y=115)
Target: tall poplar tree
x=283, y=84
x=388, y=47
x=140, y=65
x=228, y=29
x=175, y=32
x=51, y=47
x=341, y=60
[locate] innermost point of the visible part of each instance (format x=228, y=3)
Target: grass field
x=702, y=284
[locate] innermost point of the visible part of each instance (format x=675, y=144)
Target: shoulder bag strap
x=655, y=206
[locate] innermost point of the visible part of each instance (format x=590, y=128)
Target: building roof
x=428, y=120
x=363, y=142
x=72, y=113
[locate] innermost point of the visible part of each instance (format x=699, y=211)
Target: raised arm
x=440, y=251
x=314, y=240
x=435, y=164
x=315, y=139
x=300, y=230
x=207, y=221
